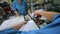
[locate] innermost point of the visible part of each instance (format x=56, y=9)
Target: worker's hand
x=23, y=23
x=46, y=14
x=26, y=19
x=16, y=13
x=19, y=25
x=29, y=12
x=32, y=15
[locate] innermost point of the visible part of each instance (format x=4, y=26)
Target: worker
x=52, y=28
x=20, y=7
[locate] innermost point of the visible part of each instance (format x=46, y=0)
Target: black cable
x=34, y=21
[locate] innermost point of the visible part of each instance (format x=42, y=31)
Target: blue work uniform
x=21, y=8
x=52, y=28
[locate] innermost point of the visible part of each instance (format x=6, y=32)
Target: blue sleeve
x=27, y=7
x=56, y=16
x=10, y=31
x=14, y=6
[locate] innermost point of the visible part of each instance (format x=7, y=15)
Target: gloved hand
x=32, y=15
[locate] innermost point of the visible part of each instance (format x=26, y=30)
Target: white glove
x=32, y=15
